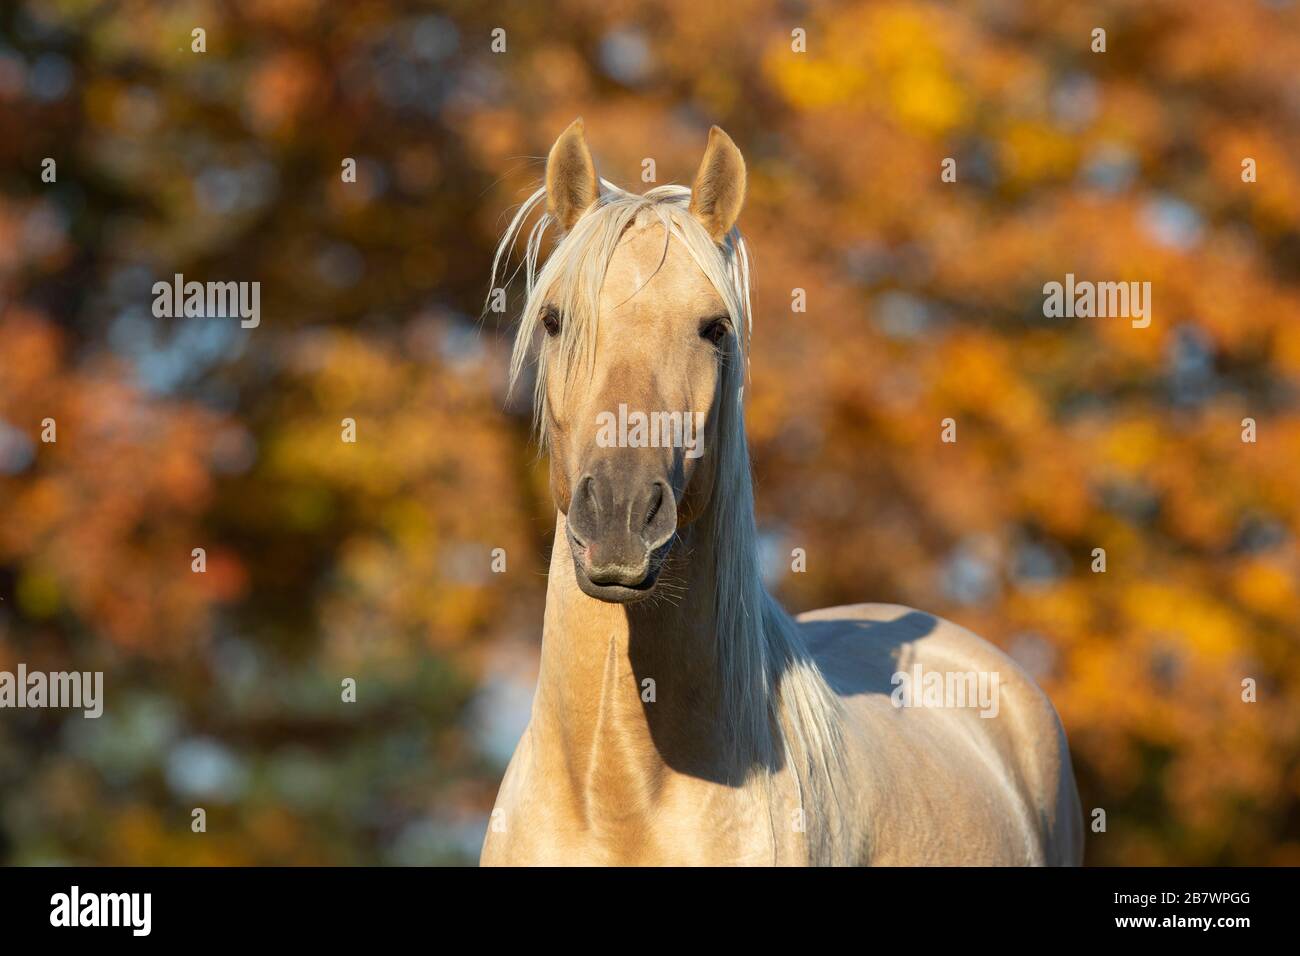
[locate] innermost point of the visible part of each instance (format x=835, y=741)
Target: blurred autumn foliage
x=371, y=560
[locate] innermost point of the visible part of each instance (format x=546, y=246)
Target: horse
x=681, y=716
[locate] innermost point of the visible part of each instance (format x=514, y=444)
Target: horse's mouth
x=616, y=588
x=616, y=593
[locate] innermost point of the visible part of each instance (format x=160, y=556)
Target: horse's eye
x=714, y=330
x=551, y=320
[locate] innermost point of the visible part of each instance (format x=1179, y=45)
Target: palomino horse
x=681, y=716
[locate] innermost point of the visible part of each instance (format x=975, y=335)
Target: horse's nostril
x=656, y=502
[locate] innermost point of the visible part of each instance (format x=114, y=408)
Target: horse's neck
x=628, y=694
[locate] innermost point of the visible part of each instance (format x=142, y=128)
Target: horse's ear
x=571, y=183
x=719, y=189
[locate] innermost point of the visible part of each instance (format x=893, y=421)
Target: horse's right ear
x=571, y=183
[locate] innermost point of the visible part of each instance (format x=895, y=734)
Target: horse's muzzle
x=620, y=530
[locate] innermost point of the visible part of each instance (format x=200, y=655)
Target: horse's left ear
x=719, y=189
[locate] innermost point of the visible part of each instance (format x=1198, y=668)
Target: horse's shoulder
x=862, y=649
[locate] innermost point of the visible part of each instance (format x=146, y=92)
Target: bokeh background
x=328, y=560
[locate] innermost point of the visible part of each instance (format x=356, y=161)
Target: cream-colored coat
x=640, y=750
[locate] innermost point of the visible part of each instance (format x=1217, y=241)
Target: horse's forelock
x=575, y=268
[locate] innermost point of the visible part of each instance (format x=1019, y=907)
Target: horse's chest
x=693, y=828
x=687, y=824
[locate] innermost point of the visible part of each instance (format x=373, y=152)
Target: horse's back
x=987, y=781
